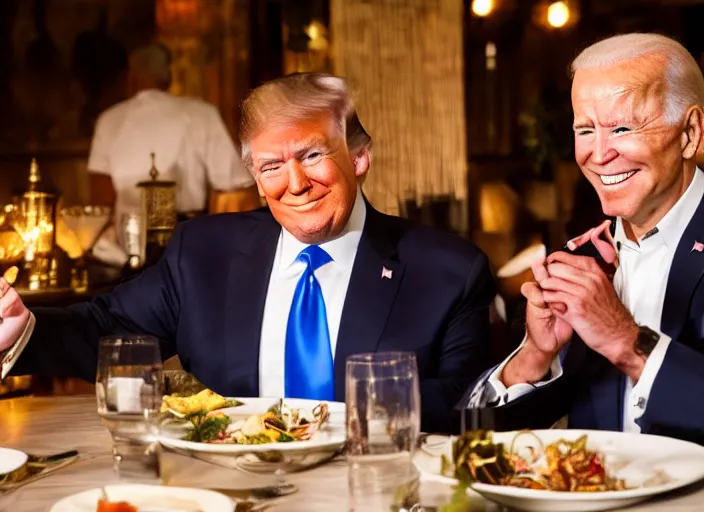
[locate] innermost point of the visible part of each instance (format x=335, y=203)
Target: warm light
x=558, y=14
x=482, y=7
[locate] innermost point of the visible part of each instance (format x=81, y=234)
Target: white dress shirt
x=640, y=282
x=188, y=137
x=334, y=278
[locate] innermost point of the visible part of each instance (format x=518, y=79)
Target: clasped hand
x=573, y=294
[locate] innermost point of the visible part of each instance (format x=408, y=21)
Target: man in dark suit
x=273, y=302
x=629, y=354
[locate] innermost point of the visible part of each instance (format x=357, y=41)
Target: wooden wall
x=405, y=61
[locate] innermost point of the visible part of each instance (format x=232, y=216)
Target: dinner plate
x=650, y=465
x=11, y=460
x=291, y=456
x=149, y=498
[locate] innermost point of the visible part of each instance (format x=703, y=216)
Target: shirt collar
x=342, y=249
x=150, y=93
x=672, y=225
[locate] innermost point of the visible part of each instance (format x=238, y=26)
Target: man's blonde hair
x=300, y=97
x=685, y=84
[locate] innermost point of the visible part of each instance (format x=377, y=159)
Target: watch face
x=647, y=339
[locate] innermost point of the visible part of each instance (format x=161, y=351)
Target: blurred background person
x=187, y=136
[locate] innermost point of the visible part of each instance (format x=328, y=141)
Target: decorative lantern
x=35, y=222
x=159, y=210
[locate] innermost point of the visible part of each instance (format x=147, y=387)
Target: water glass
x=383, y=423
x=129, y=392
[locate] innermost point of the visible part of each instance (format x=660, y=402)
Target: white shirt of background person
x=188, y=137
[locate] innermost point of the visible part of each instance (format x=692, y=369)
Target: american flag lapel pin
x=386, y=273
x=698, y=246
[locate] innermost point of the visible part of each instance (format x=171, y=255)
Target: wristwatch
x=646, y=341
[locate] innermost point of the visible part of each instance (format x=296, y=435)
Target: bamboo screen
x=404, y=59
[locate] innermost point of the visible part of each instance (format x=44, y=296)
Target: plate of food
x=144, y=498
x=260, y=434
x=562, y=470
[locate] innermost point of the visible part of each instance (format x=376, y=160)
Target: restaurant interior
x=469, y=104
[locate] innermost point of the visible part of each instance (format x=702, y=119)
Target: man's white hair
x=685, y=84
x=153, y=62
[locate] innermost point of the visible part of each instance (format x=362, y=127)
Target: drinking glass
x=383, y=423
x=129, y=392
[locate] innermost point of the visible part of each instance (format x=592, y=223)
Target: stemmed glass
x=129, y=393
x=87, y=223
x=383, y=424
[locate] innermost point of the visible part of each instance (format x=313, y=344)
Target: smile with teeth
x=616, y=178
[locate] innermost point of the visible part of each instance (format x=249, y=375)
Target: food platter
x=269, y=457
x=648, y=465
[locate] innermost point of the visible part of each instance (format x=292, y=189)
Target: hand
x=606, y=248
x=581, y=294
x=14, y=314
x=546, y=333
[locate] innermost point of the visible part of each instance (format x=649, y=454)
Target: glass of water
x=129, y=392
x=383, y=423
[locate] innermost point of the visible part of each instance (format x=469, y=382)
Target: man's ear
x=361, y=163
x=692, y=134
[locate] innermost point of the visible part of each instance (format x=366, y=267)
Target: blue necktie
x=309, y=368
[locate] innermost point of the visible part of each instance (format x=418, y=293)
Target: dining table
x=49, y=425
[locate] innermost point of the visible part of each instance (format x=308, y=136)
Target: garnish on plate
x=567, y=466
x=280, y=424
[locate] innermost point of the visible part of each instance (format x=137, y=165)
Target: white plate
x=11, y=460
x=645, y=457
x=146, y=495
x=331, y=436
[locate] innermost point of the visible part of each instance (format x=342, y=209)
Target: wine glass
x=86, y=223
x=129, y=392
x=383, y=424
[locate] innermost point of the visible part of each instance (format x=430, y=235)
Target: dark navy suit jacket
x=592, y=391
x=205, y=300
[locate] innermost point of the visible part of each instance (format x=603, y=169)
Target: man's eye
x=621, y=129
x=313, y=156
x=585, y=131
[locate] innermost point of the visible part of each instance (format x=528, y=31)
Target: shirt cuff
x=640, y=393
x=502, y=395
x=10, y=357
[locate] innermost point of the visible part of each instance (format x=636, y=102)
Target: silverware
x=36, y=467
x=260, y=499
x=42, y=459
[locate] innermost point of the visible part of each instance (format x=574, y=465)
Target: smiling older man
x=627, y=355
x=273, y=302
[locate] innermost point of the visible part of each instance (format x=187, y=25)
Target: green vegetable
x=286, y=438
x=207, y=429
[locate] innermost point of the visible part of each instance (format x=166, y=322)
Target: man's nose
x=298, y=181
x=603, y=152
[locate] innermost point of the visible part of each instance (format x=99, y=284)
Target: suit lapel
x=685, y=273
x=376, y=277
x=248, y=282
